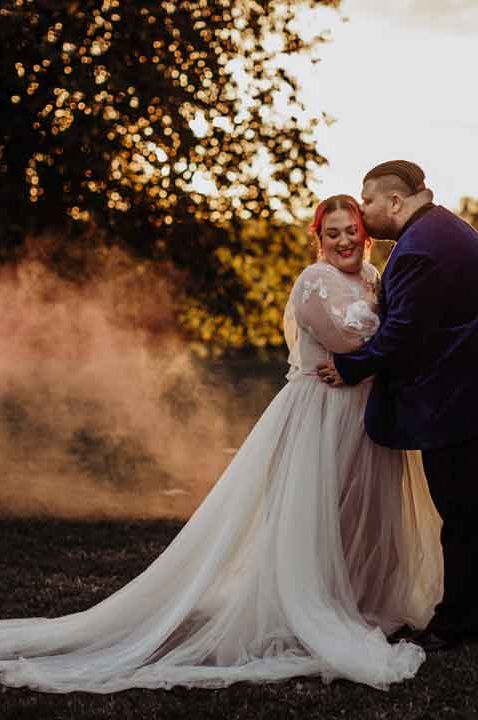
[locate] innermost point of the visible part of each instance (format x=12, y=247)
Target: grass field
x=50, y=567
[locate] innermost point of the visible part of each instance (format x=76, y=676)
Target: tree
x=265, y=262
x=104, y=102
x=468, y=210
x=157, y=123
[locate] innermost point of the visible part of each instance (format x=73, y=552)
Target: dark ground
x=52, y=567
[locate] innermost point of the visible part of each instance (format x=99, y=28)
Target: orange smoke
x=104, y=412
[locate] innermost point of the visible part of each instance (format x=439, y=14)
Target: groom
x=424, y=359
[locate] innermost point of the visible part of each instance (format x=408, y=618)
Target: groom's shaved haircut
x=399, y=176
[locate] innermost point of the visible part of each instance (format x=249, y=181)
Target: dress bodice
x=329, y=311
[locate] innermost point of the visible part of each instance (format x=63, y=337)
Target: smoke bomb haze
x=104, y=413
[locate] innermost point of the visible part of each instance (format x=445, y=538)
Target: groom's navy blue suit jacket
x=425, y=354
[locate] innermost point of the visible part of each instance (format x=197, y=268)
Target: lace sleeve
x=290, y=325
x=331, y=308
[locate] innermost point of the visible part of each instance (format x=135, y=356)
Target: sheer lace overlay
x=329, y=311
x=313, y=544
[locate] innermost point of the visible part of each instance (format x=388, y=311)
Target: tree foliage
x=468, y=210
x=113, y=107
x=265, y=261
x=164, y=124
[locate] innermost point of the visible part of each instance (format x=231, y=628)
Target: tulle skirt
x=312, y=546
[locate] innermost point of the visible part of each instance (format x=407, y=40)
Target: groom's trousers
x=452, y=474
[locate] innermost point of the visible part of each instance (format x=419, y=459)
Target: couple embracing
x=340, y=541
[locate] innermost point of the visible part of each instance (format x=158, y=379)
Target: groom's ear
x=397, y=202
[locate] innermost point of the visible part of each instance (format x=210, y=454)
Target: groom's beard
x=380, y=231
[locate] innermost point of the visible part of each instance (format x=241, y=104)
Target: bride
x=311, y=548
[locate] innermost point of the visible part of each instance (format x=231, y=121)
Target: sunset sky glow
x=395, y=81
x=399, y=77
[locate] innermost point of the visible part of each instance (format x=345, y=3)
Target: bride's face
x=341, y=242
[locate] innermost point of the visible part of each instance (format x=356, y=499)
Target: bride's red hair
x=337, y=202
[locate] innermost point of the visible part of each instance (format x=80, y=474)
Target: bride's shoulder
x=315, y=279
x=316, y=270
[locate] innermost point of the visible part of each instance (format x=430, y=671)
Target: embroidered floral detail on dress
x=358, y=315
x=310, y=287
x=353, y=313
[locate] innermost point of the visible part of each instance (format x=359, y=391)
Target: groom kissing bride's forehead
x=392, y=191
x=423, y=360
x=320, y=539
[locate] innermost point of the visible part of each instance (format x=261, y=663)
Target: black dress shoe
x=431, y=642
x=403, y=633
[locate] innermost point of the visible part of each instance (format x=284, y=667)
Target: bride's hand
x=329, y=375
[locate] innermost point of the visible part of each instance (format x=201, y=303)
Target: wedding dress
x=312, y=545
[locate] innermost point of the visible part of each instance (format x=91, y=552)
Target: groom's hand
x=328, y=374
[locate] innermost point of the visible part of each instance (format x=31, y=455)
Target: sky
x=399, y=77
